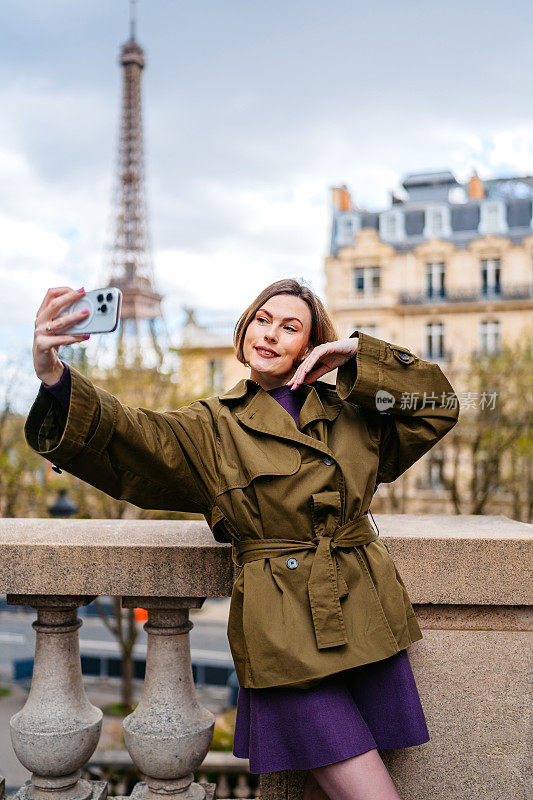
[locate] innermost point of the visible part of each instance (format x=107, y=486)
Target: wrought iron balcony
x=516, y=292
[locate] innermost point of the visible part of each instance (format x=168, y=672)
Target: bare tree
x=492, y=444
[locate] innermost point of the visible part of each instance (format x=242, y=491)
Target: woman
x=284, y=467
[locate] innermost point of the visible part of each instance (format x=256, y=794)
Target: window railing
x=512, y=292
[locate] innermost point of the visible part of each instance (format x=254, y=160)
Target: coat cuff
x=358, y=378
x=89, y=421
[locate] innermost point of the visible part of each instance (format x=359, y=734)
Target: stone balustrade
x=233, y=778
x=469, y=579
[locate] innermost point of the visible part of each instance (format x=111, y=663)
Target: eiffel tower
x=130, y=267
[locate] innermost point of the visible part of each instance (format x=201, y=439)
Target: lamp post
x=62, y=507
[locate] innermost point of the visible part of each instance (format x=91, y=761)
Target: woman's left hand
x=323, y=359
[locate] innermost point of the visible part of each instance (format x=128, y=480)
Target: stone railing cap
x=441, y=558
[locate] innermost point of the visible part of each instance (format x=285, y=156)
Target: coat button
x=292, y=563
x=328, y=461
x=403, y=355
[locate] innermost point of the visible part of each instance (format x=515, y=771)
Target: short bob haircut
x=322, y=328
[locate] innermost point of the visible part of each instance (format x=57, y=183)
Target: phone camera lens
x=103, y=309
x=109, y=297
x=100, y=298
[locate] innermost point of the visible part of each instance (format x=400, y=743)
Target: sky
x=252, y=112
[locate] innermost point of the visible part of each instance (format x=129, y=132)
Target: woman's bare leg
x=362, y=777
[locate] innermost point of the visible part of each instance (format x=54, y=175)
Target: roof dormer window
x=437, y=219
x=492, y=217
x=347, y=226
x=391, y=225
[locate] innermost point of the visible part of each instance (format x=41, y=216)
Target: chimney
x=476, y=190
x=341, y=198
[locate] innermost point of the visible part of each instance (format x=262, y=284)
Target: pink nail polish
x=81, y=290
x=85, y=311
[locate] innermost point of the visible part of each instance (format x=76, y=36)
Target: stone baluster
x=223, y=790
x=169, y=733
x=57, y=730
x=242, y=789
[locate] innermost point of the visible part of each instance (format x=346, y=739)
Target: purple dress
x=348, y=713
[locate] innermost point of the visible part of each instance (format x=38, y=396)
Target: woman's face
x=277, y=339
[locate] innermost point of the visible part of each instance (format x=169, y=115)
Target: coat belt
x=322, y=585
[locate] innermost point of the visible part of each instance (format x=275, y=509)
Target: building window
x=492, y=217
x=391, y=225
x=437, y=222
x=489, y=336
x=435, y=279
x=490, y=276
x=434, y=473
x=366, y=280
x=435, y=339
x=347, y=227
x=215, y=376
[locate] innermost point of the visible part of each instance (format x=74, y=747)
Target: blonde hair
x=322, y=328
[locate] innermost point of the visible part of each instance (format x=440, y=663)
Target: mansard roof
x=438, y=191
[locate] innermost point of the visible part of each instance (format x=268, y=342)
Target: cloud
x=251, y=113
x=23, y=242
x=512, y=150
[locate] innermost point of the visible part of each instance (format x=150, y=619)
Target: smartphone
x=104, y=311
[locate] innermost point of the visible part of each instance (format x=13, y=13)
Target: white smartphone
x=104, y=311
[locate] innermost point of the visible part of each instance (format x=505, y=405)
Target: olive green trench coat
x=317, y=591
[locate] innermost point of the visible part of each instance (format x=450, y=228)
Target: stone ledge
x=461, y=560
x=113, y=557
x=443, y=559
x=474, y=618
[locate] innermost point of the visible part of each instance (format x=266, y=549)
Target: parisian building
x=445, y=271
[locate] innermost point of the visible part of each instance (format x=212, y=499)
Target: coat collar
x=239, y=390
x=261, y=411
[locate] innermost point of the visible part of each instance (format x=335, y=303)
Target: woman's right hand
x=48, y=338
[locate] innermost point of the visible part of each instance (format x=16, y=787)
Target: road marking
x=11, y=638
x=88, y=645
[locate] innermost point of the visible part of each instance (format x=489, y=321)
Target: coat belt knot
x=322, y=585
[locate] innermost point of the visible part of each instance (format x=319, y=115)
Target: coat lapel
x=261, y=412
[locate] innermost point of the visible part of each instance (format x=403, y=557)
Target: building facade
x=207, y=356
x=446, y=271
